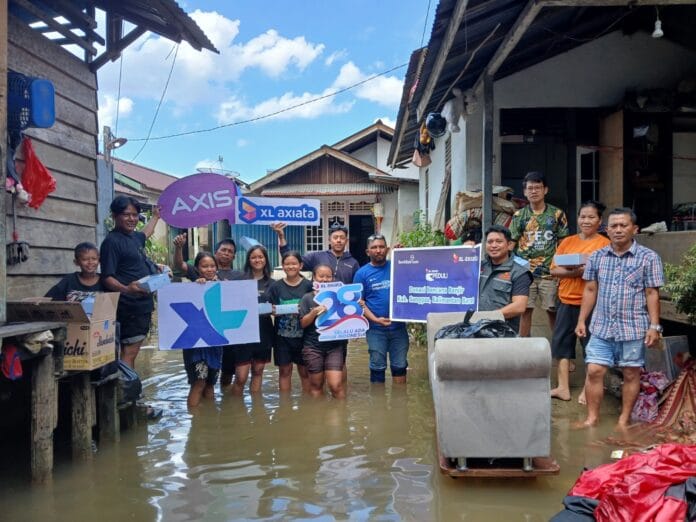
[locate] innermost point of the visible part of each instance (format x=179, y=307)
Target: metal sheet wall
x=268, y=238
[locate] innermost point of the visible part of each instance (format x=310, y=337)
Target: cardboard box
x=570, y=259
x=91, y=340
x=154, y=282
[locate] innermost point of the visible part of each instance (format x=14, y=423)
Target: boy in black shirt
x=79, y=285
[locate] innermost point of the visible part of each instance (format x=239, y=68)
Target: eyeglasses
x=376, y=236
x=337, y=227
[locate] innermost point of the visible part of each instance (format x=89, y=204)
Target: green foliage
x=422, y=235
x=681, y=284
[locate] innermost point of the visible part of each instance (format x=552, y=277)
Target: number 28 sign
x=343, y=318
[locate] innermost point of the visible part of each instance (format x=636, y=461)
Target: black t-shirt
x=225, y=274
x=311, y=337
x=265, y=321
x=122, y=256
x=282, y=293
x=70, y=288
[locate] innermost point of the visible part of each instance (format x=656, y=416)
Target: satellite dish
x=222, y=172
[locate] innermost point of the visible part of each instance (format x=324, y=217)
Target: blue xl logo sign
x=208, y=323
x=251, y=211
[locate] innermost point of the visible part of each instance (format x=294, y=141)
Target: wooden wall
x=326, y=170
x=68, y=150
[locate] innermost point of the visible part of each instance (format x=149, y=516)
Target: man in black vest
x=505, y=279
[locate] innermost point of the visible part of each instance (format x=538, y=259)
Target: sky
x=273, y=54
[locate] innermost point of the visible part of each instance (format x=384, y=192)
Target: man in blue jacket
x=344, y=265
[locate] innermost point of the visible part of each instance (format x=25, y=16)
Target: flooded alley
x=372, y=457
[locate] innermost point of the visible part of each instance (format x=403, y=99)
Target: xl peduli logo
x=271, y=210
x=433, y=274
x=208, y=323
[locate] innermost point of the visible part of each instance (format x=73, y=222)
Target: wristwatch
x=657, y=327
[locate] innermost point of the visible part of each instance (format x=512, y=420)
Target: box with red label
x=91, y=339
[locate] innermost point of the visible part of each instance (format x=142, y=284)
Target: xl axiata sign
x=198, y=200
x=264, y=211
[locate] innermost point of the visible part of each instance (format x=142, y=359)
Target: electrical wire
x=164, y=92
x=425, y=24
x=585, y=40
x=274, y=113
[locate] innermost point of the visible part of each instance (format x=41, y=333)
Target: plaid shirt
x=621, y=312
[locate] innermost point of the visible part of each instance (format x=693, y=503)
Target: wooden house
x=68, y=148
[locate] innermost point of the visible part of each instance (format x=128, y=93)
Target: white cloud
x=387, y=121
x=385, y=90
x=234, y=109
x=204, y=77
x=241, y=142
x=335, y=56
x=108, y=107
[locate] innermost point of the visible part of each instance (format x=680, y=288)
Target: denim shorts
x=383, y=341
x=608, y=352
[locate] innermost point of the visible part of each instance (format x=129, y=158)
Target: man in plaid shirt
x=623, y=279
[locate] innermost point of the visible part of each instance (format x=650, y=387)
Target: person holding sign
x=323, y=359
x=203, y=364
x=286, y=294
x=384, y=338
x=505, y=279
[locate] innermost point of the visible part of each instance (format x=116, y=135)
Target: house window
x=362, y=206
x=336, y=206
x=314, y=237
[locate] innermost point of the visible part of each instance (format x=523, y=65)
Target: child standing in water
x=322, y=358
x=288, y=345
x=79, y=285
x=203, y=364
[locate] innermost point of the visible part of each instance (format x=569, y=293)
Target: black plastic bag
x=482, y=329
x=129, y=385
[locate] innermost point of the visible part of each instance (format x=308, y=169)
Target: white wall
x=596, y=74
x=368, y=154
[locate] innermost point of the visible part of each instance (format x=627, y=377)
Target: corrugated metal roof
x=152, y=179
x=336, y=189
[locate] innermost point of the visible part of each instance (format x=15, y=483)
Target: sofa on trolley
x=491, y=396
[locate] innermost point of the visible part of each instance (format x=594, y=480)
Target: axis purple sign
x=198, y=200
x=434, y=279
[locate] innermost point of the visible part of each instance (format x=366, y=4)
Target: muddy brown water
x=370, y=457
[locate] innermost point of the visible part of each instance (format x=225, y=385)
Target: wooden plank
x=42, y=49
x=3, y=149
x=669, y=312
x=24, y=62
x=75, y=115
x=109, y=418
x=487, y=174
x=42, y=261
x=53, y=235
x=53, y=157
x=73, y=188
x=68, y=138
x=43, y=418
x=81, y=440
x=14, y=329
x=59, y=211
x=20, y=287
x=611, y=177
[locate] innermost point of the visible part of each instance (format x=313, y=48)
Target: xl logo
x=205, y=201
x=254, y=212
x=208, y=323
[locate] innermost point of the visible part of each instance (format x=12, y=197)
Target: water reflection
x=271, y=457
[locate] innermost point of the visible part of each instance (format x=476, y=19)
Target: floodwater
x=370, y=457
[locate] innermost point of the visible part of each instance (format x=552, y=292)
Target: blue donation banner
x=343, y=318
x=433, y=279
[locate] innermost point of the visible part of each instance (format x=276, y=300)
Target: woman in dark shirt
x=239, y=359
x=123, y=262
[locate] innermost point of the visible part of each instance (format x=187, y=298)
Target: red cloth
x=633, y=488
x=36, y=179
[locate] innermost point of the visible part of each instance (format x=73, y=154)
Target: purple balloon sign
x=199, y=199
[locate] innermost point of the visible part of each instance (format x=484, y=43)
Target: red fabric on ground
x=633, y=488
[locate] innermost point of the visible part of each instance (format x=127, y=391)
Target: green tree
x=681, y=284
